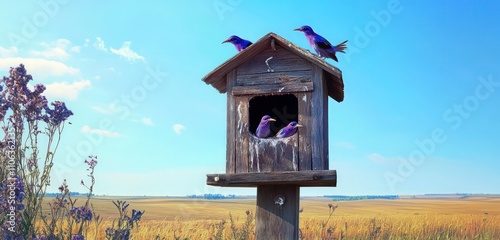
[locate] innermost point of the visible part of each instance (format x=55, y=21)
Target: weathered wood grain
x=275, y=221
x=292, y=77
x=231, y=123
x=242, y=133
x=317, y=178
x=273, y=154
x=319, y=113
x=305, y=151
x=273, y=89
x=286, y=57
x=324, y=118
x=282, y=61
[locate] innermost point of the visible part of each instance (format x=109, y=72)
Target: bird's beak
x=298, y=125
x=297, y=29
x=272, y=120
x=225, y=41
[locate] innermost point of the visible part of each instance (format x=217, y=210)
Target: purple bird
x=289, y=130
x=321, y=45
x=238, y=42
x=263, y=129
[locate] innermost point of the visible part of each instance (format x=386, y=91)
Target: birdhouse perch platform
x=318, y=178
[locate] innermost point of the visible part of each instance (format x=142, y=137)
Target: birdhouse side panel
x=319, y=121
x=305, y=147
x=231, y=123
x=273, y=61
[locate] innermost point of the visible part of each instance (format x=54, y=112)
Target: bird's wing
x=247, y=44
x=282, y=132
x=322, y=42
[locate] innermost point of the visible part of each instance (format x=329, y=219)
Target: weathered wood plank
x=305, y=151
x=318, y=113
x=317, y=178
x=335, y=87
x=273, y=89
x=326, y=154
x=242, y=134
x=291, y=77
x=277, y=214
x=231, y=123
x=282, y=61
x=273, y=154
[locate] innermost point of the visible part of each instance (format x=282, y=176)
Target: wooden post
x=277, y=215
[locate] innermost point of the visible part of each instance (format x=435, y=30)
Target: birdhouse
x=277, y=78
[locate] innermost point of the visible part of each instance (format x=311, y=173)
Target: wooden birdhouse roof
x=218, y=77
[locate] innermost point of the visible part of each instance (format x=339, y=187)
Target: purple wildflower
x=136, y=215
x=121, y=234
x=78, y=237
x=92, y=162
x=82, y=213
x=57, y=115
x=124, y=207
x=34, y=106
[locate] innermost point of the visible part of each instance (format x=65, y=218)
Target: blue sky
x=422, y=89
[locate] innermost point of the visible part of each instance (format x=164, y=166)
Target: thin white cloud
x=52, y=53
x=147, y=121
x=87, y=129
x=109, y=109
x=380, y=159
x=56, y=50
x=39, y=67
x=178, y=128
x=75, y=49
x=127, y=53
x=99, y=44
x=66, y=90
x=87, y=41
x=7, y=52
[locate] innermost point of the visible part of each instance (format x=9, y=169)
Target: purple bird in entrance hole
x=238, y=42
x=263, y=129
x=289, y=130
x=321, y=45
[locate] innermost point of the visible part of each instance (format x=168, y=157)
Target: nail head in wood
x=279, y=200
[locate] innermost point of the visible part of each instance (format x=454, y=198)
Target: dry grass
x=471, y=218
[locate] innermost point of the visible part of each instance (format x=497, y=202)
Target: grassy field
x=171, y=218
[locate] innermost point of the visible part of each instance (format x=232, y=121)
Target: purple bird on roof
x=263, y=129
x=289, y=130
x=321, y=45
x=238, y=42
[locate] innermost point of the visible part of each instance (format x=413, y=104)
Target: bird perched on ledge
x=263, y=130
x=321, y=45
x=289, y=130
x=239, y=43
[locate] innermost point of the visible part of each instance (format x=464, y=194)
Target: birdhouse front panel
x=281, y=84
x=273, y=71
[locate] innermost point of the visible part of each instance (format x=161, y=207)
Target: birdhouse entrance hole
x=283, y=108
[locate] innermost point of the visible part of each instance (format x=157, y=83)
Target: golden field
x=184, y=218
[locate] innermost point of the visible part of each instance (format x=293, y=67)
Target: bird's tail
x=341, y=47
